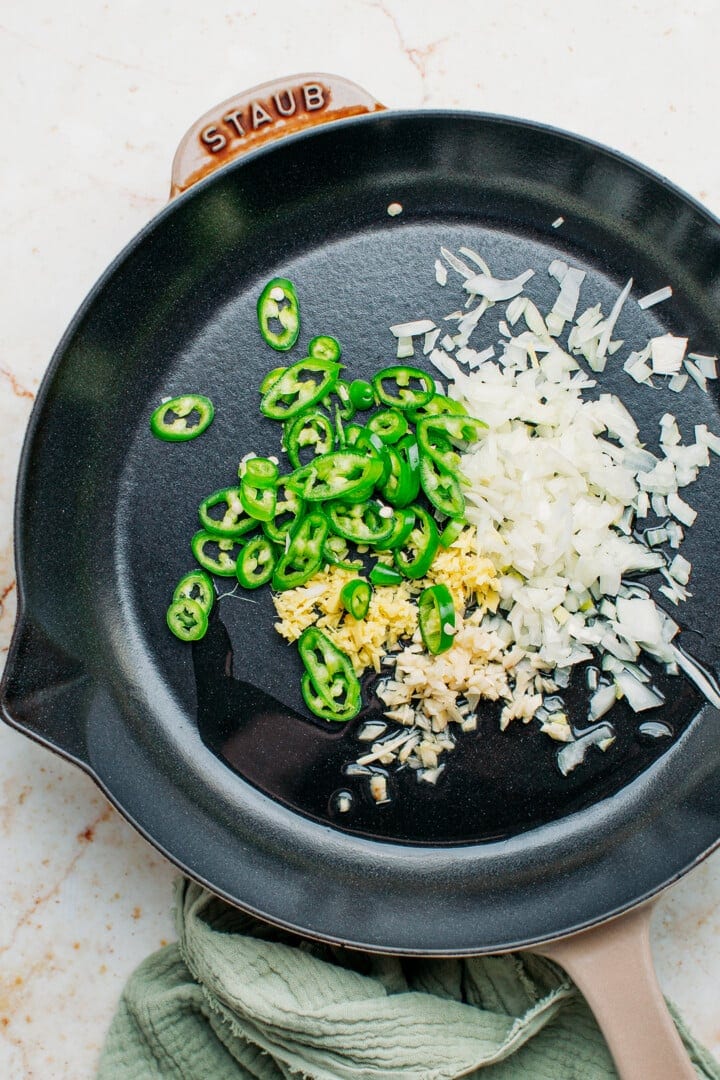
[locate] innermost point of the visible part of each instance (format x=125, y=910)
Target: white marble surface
x=94, y=97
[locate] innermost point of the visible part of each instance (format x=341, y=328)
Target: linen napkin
x=236, y=998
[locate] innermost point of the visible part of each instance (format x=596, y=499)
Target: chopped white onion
x=412, y=329
x=680, y=509
x=574, y=753
x=430, y=341
x=457, y=264
x=612, y=319
x=405, y=348
x=640, y=697
x=496, y=289
x=696, y=375
x=656, y=297
x=667, y=353
x=678, y=382
x=707, y=365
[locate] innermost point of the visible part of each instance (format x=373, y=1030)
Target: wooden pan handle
x=612, y=964
x=258, y=116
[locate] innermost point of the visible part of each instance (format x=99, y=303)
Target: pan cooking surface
x=495, y=784
x=209, y=748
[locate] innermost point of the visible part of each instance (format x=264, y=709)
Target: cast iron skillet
x=201, y=748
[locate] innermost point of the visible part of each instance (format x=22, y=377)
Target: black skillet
x=207, y=750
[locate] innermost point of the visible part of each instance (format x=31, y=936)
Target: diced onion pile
x=567, y=503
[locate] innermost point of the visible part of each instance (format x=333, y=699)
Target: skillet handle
x=612, y=964
x=257, y=116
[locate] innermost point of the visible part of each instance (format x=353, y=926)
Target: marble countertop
x=93, y=105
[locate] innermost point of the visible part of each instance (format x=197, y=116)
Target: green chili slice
x=303, y=384
x=337, y=553
x=289, y=509
x=437, y=435
x=182, y=418
x=389, y=425
x=256, y=563
x=451, y=532
x=197, y=586
x=437, y=406
x=403, y=523
x=330, y=675
x=235, y=520
x=304, y=555
x=408, y=387
x=258, y=500
x=442, y=488
x=187, y=620
x=278, y=311
x=355, y=597
x=216, y=554
x=415, y=558
x=311, y=429
x=403, y=482
x=436, y=618
x=316, y=703
x=382, y=574
x=260, y=471
x=363, y=523
x=325, y=347
x=340, y=474
x=270, y=378
x=362, y=394
x=345, y=409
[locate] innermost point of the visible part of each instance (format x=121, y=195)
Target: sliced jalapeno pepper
x=361, y=438
x=256, y=563
x=337, y=553
x=258, y=500
x=317, y=704
x=278, y=305
x=436, y=618
x=216, y=554
x=289, y=509
x=451, y=532
x=403, y=522
x=363, y=523
x=362, y=394
x=197, y=586
x=325, y=347
x=437, y=435
x=304, y=555
x=389, y=425
x=270, y=378
x=403, y=482
x=340, y=474
x=355, y=597
x=330, y=674
x=442, y=488
x=310, y=428
x=345, y=409
x=187, y=620
x=303, y=384
x=382, y=574
x=182, y=418
x=414, y=560
x=235, y=520
x=260, y=471
x=403, y=391
x=437, y=406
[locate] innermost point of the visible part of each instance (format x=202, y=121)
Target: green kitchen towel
x=235, y=998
